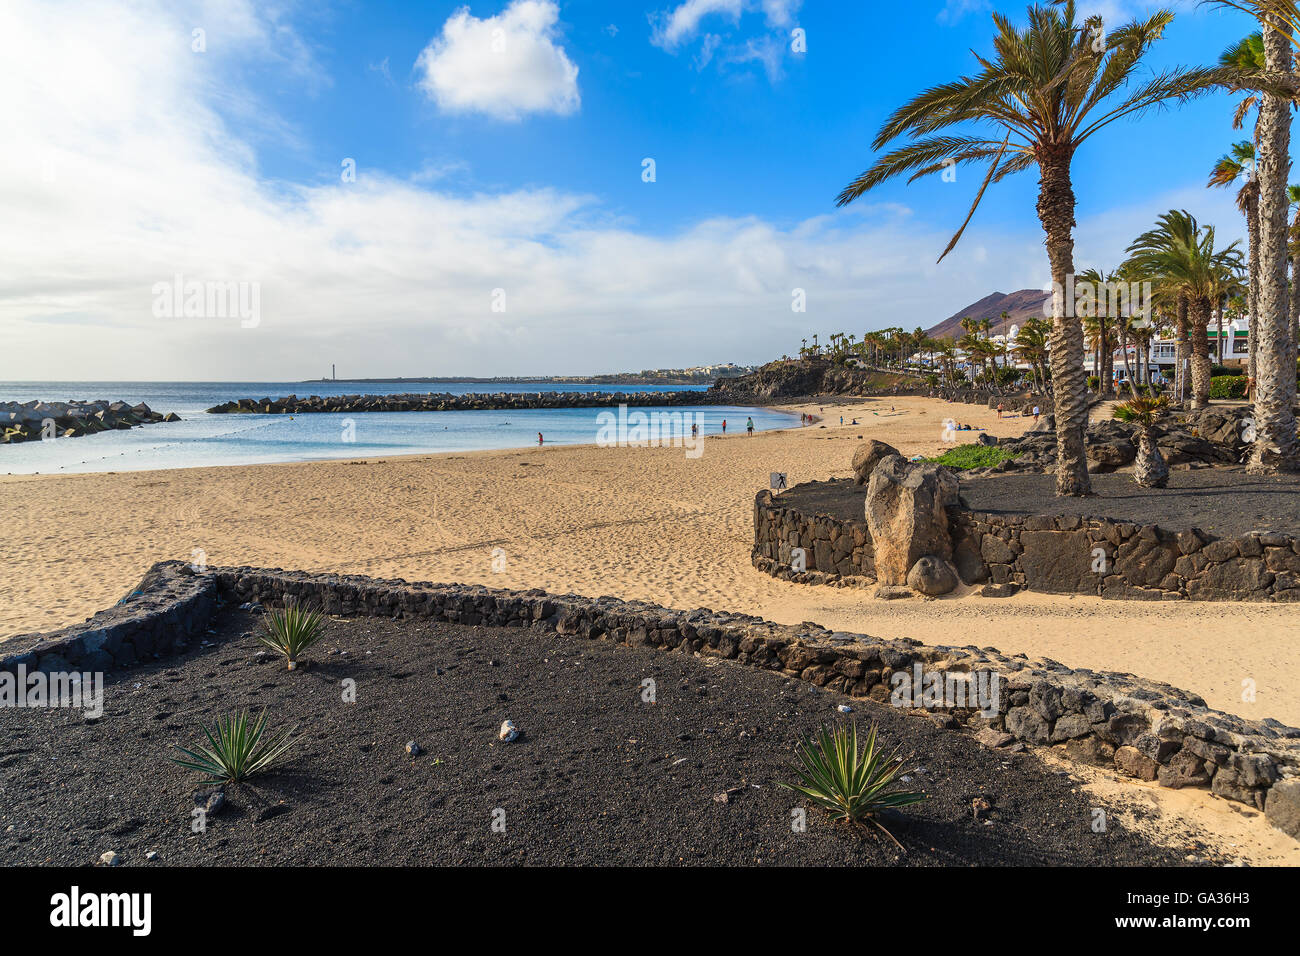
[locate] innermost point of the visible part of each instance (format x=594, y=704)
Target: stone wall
x=1063, y=554
x=1141, y=728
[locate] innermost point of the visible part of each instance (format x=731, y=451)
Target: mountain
x=1027, y=303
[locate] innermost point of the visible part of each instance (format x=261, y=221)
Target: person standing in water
x=724, y=426
x=749, y=426
x=539, y=438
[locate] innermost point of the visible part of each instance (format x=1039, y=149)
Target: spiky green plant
x=292, y=630
x=1142, y=411
x=852, y=785
x=240, y=748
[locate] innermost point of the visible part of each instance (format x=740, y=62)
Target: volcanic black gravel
x=840, y=498
x=598, y=775
x=1223, y=501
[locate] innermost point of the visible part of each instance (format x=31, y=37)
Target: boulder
x=907, y=515
x=1282, y=807
x=932, y=576
x=1112, y=454
x=868, y=455
x=1134, y=763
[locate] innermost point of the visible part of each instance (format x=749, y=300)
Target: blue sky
x=522, y=173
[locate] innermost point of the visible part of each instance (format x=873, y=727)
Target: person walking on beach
x=724, y=426
x=1035, y=414
x=1000, y=407
x=539, y=439
x=749, y=426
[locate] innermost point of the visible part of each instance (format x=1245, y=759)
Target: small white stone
x=844, y=709
x=109, y=858
x=508, y=731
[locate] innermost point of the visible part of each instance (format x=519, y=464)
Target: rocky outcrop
x=812, y=377
x=33, y=421
x=869, y=454
x=1212, y=436
x=1137, y=726
x=907, y=515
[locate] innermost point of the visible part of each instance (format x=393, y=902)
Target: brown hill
x=1027, y=303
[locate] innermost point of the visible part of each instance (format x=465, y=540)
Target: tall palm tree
x=1045, y=91
x=1179, y=255
x=1275, y=448
x=1031, y=345
x=1293, y=254
x=947, y=353
x=1101, y=324
x=1238, y=166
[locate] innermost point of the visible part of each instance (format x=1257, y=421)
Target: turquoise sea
x=201, y=439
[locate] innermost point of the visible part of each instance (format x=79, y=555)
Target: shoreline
x=409, y=454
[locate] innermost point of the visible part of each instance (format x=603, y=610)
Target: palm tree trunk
x=1183, y=346
x=1123, y=350
x=1200, y=328
x=1149, y=470
x=1275, y=448
x=1252, y=282
x=1069, y=378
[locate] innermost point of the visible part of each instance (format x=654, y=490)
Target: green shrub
x=1228, y=386
x=292, y=630
x=852, y=785
x=238, y=749
x=973, y=456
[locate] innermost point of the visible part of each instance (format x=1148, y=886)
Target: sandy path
x=638, y=523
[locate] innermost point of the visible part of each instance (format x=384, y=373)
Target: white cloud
x=505, y=65
x=675, y=26
x=123, y=174
x=673, y=29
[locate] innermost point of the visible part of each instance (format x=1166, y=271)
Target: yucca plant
x=292, y=630
x=1149, y=468
x=240, y=748
x=852, y=785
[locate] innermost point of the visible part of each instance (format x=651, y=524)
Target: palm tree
x=1031, y=344
x=1238, y=165
x=1293, y=254
x=947, y=353
x=1179, y=255
x=1045, y=91
x=1149, y=468
x=1098, y=327
x=1275, y=448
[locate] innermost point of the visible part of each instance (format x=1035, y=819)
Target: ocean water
x=202, y=440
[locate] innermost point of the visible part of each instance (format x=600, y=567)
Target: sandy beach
x=644, y=523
